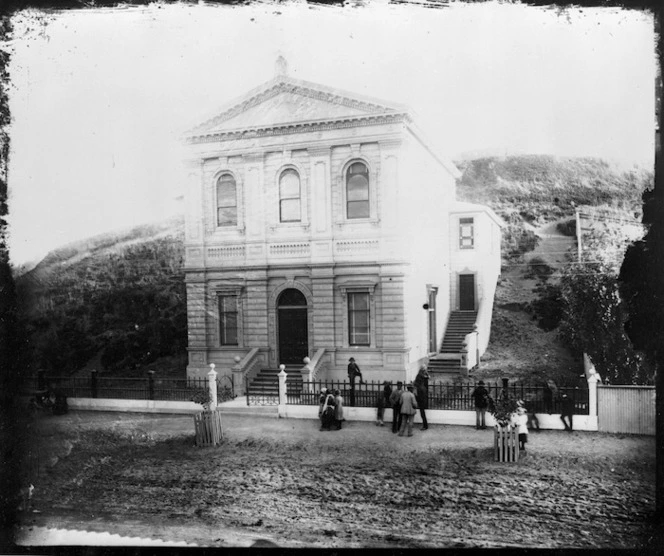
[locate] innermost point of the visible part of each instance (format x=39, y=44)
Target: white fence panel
x=626, y=409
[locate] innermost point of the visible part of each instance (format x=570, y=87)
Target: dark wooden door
x=467, y=292
x=292, y=331
x=293, y=341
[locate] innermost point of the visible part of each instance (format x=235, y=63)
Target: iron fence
x=136, y=388
x=451, y=396
x=262, y=394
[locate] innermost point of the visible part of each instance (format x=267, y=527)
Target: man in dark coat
x=395, y=402
x=353, y=373
x=567, y=411
x=481, y=397
x=422, y=394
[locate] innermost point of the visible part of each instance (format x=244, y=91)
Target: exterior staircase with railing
x=266, y=381
x=447, y=363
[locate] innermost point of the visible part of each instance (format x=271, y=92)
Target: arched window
x=357, y=191
x=289, y=196
x=226, y=201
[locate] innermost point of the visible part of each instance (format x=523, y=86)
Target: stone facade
x=305, y=282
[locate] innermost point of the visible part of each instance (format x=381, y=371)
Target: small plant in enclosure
x=202, y=397
x=503, y=408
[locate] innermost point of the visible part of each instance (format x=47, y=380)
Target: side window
x=433, y=340
x=466, y=233
x=228, y=320
x=359, y=319
x=226, y=201
x=289, y=196
x=357, y=191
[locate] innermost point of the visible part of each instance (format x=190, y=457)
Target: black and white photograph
x=359, y=275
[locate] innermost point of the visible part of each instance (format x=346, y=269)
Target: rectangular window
x=466, y=233
x=432, y=319
x=228, y=320
x=358, y=319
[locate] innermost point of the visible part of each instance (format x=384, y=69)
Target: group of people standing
x=330, y=410
x=404, y=402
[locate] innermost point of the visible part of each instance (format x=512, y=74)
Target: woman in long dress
x=327, y=412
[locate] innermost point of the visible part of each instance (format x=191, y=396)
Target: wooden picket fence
x=208, y=428
x=506, y=444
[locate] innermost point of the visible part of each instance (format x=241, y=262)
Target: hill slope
x=115, y=299
x=116, y=302
x=537, y=197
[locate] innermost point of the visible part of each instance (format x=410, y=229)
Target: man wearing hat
x=422, y=394
x=353, y=373
x=408, y=410
x=481, y=397
x=395, y=403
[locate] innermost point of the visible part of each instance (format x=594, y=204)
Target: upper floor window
x=226, y=201
x=357, y=191
x=466, y=233
x=289, y=196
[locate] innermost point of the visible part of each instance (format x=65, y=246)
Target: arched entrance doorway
x=292, y=329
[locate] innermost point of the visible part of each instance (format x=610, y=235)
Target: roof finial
x=281, y=66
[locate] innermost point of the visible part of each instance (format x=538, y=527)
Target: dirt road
x=283, y=480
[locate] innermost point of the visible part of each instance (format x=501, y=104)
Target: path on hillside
x=518, y=348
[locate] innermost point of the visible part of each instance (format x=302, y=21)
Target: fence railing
x=261, y=394
x=139, y=388
x=450, y=396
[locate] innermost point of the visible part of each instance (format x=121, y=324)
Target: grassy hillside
x=537, y=197
x=116, y=302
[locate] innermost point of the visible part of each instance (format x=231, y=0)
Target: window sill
x=354, y=221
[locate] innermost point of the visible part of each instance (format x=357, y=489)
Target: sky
x=100, y=98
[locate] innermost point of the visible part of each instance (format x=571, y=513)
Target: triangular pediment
x=288, y=101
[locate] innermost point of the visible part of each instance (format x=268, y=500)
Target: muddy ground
x=283, y=480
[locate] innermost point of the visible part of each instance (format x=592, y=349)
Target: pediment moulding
x=299, y=127
x=284, y=84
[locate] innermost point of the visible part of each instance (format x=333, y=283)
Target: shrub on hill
x=567, y=228
x=126, y=303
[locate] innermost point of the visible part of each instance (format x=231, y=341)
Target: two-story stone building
x=320, y=224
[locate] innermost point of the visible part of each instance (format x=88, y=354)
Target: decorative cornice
x=284, y=84
x=299, y=127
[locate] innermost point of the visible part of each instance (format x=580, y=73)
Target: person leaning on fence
x=382, y=401
x=338, y=409
x=567, y=412
x=353, y=373
x=408, y=410
x=422, y=394
x=327, y=413
x=395, y=402
x=481, y=397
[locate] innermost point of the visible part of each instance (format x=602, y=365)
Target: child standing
x=521, y=422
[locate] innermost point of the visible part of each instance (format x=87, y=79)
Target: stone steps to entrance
x=267, y=381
